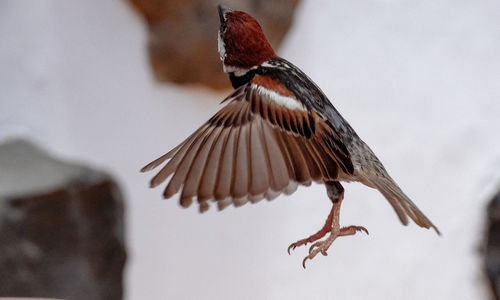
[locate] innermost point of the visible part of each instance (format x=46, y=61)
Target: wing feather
x=328, y=163
x=279, y=171
x=183, y=167
x=286, y=155
x=239, y=186
x=206, y=189
x=259, y=166
x=311, y=160
x=300, y=163
x=192, y=181
x=224, y=175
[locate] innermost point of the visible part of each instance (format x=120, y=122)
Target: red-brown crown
x=244, y=44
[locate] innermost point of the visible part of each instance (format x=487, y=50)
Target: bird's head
x=242, y=44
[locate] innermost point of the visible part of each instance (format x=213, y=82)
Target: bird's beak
x=222, y=12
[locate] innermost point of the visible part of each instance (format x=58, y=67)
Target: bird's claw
x=295, y=245
x=298, y=244
x=304, y=261
x=350, y=230
x=314, y=246
x=319, y=247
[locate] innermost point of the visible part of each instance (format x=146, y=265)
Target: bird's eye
x=222, y=27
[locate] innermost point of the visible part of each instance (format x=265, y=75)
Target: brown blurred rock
x=61, y=228
x=492, y=249
x=183, y=35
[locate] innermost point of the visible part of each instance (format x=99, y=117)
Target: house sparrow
x=277, y=130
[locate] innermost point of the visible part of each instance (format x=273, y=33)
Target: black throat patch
x=238, y=81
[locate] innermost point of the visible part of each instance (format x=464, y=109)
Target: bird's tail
x=403, y=206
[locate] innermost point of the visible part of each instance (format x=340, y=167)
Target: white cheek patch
x=278, y=99
x=221, y=46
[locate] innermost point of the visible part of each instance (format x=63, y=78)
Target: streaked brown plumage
x=277, y=130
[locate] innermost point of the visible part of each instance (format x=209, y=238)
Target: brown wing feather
x=310, y=158
x=193, y=178
x=207, y=183
x=183, y=167
x=254, y=147
x=289, y=161
x=259, y=166
x=300, y=163
x=224, y=175
x=277, y=164
x=239, y=187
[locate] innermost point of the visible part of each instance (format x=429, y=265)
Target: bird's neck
x=239, y=79
x=241, y=76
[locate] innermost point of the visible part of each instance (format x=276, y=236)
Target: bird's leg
x=335, y=192
x=321, y=233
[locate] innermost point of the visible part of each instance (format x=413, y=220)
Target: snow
x=418, y=80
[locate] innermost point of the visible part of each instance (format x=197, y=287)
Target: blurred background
x=90, y=91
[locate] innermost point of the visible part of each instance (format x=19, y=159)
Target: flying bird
x=277, y=130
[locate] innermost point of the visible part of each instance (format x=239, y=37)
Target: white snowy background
x=418, y=80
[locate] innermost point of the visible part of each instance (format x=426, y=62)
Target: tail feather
x=403, y=206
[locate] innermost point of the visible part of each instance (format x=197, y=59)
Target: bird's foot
x=321, y=233
x=310, y=239
x=322, y=246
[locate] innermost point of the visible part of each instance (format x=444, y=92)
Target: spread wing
x=262, y=143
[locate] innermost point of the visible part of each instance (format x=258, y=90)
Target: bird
x=277, y=130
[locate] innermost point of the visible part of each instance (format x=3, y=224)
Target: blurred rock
x=61, y=228
x=492, y=252
x=183, y=35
